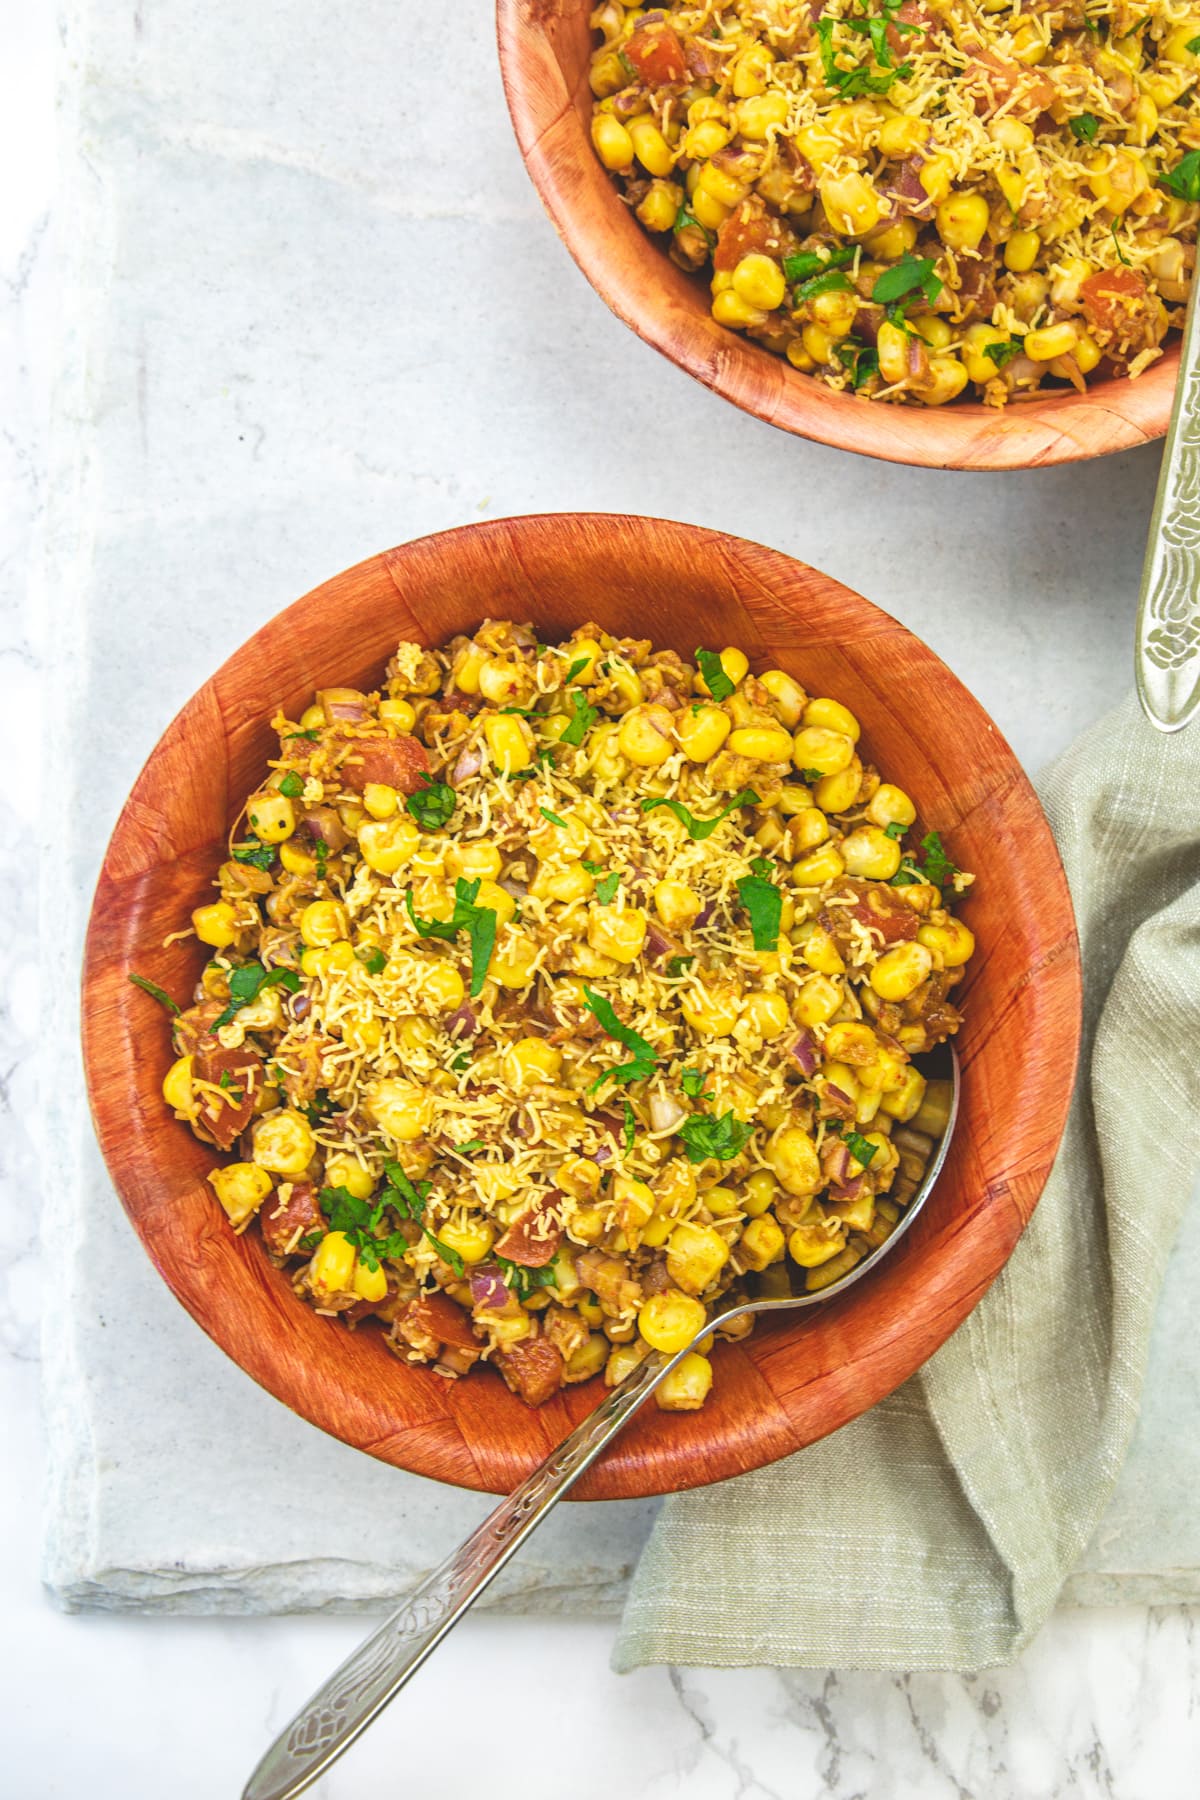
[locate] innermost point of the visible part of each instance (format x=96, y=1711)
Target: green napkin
x=937, y=1530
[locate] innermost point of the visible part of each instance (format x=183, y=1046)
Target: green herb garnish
x=155, y=992
x=311, y=735
x=812, y=775
x=938, y=866
x=906, y=874
x=684, y=219
x=704, y=1136
x=713, y=670
x=679, y=965
x=630, y=1125
x=1084, y=127
x=291, y=787
x=259, y=856
x=553, y=817
x=460, y=1061
x=470, y=1145
x=860, y=1149
x=606, y=889
x=583, y=717
x=1184, y=179
x=432, y=806
x=912, y=274
x=372, y=958
x=523, y=1280
x=895, y=830
x=764, y=903
x=642, y=1051
x=833, y=281
x=860, y=360
x=699, y=829
x=248, y=982
x=408, y=1198
x=479, y=922
x=807, y=263
x=576, y=668
x=358, y=1221
x=692, y=1082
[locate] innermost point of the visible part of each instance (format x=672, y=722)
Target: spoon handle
x=378, y=1669
x=1168, y=627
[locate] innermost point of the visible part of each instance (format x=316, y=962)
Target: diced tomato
x=391, y=762
x=1110, y=299
x=533, y=1368
x=533, y=1238
x=913, y=12
x=656, y=52
x=752, y=226
x=240, y=1076
x=281, y=1221
x=435, y=1315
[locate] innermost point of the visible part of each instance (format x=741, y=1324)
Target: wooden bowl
x=679, y=586
x=545, y=47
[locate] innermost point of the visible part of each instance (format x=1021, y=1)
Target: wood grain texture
x=797, y=1378
x=545, y=47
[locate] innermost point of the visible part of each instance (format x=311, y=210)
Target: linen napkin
x=937, y=1530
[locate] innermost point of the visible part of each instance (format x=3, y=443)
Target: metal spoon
x=1168, y=627
x=378, y=1669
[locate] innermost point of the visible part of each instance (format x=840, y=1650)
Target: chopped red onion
x=804, y=1051
x=488, y=1288
x=468, y=764
x=665, y=1113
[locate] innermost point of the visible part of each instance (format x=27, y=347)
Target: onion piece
x=665, y=1113
x=804, y=1051
x=488, y=1288
x=468, y=764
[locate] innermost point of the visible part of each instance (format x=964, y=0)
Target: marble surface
x=277, y=370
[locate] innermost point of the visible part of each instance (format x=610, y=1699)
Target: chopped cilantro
x=764, y=903
x=704, y=1136
x=321, y=852
x=553, y=817
x=713, y=671
x=460, y=1061
x=850, y=83
x=312, y=735
x=576, y=668
x=372, y=958
x=358, y=1221
x=1084, y=127
x=433, y=805
x=583, y=717
x=812, y=774
x=912, y=274
x=309, y=1241
x=938, y=866
x=606, y=889
x=807, y=263
x=630, y=1125
x=259, y=856
x=470, y=1145
x=999, y=355
x=248, y=982
x=292, y=786
x=642, y=1051
x=859, y=360
x=906, y=874
x=860, y=1149
x=155, y=992
x=522, y=1279
x=1121, y=256
x=692, y=1081
x=699, y=829
x=895, y=830
x=479, y=922
x=446, y=1253
x=684, y=219
x=679, y=965
x=1193, y=46
x=831, y=282
x=409, y=1197
x=1184, y=179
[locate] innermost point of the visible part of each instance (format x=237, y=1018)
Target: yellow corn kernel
x=314, y=963
x=644, y=736
x=759, y=114
x=953, y=941
x=618, y=933
x=1051, y=341
x=331, y=1271
x=1117, y=177
x=1029, y=46
x=272, y=816
x=762, y=743
x=818, y=145
x=750, y=70
x=614, y=147
x=283, y=1143
x=721, y=1202
x=400, y=1108
x=767, y=1014
x=787, y=694
x=177, y=1087
x=761, y=1243
x=760, y=1192
x=295, y=860
x=707, y=210
x=946, y=381
x=819, y=867
x=851, y=1041
x=821, y=953
x=818, y=1000
x=818, y=344
x=836, y=793
x=1021, y=252
x=472, y=1237
x=566, y=885
x=676, y=904
x=904, y=1102
x=340, y=955
x=758, y=280
x=687, y=1386
x=241, y=1188
x=369, y=1284
x=322, y=923
x=962, y=220
x=669, y=1321
x=510, y=742
x=808, y=828
x=348, y=1172
x=313, y=718
x=361, y=1034
x=588, y=1359
x=892, y=346
x=1087, y=353
x=387, y=844
x=890, y=805
x=702, y=733
x=498, y=900
x=851, y=204
x=1011, y=134
x=399, y=713
x=812, y=1245
x=1069, y=277
x=659, y=207
x=696, y=1254
x=978, y=341
x=443, y=987
x=900, y=135
x=935, y=177
x=531, y=1061
x=869, y=852
x=216, y=924
x=831, y=715
x=625, y=687
x=821, y=749
x=901, y=970
x=380, y=800
x=650, y=146
x=704, y=139
x=473, y=858
x=714, y=1015
x=513, y=960
x=792, y=1154
x=728, y=308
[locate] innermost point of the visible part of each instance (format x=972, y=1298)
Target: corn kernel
x=676, y=904
x=792, y=1155
x=272, y=816
x=380, y=800
x=669, y=1321
x=614, y=147
x=400, y=1108
x=323, y=922
x=870, y=853
x=331, y=1271
x=216, y=924
x=644, y=736
x=510, y=742
x=1021, y=251
x=1051, y=341
x=241, y=1188
x=618, y=933
x=901, y=970
x=953, y=941
x=758, y=280
x=650, y=146
x=177, y=1087
x=283, y=1143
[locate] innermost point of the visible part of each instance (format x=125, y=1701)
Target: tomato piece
x=281, y=1221
x=398, y=763
x=656, y=51
x=533, y=1239
x=1111, y=297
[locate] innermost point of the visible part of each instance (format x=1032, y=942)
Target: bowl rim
x=1060, y=427
x=446, y=1454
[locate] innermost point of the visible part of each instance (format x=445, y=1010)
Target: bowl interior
x=679, y=586
x=545, y=47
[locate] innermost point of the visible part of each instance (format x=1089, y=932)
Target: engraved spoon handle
x=376, y=1671
x=1168, y=627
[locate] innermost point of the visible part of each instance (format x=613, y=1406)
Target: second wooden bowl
x=680, y=586
x=545, y=47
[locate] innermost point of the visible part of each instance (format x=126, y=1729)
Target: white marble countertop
x=1104, y=1703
